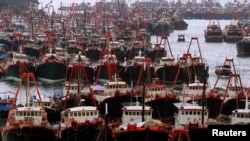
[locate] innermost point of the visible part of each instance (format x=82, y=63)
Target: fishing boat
x=213, y=32
x=190, y=123
x=106, y=67
x=181, y=38
x=113, y=93
x=233, y=32
x=137, y=124
x=81, y=59
x=191, y=65
x=242, y=47
x=167, y=68
x=80, y=123
x=132, y=68
x=225, y=69
x=16, y=64
x=27, y=122
x=179, y=22
x=50, y=69
x=76, y=91
x=158, y=95
x=241, y=115
x=94, y=47
x=233, y=95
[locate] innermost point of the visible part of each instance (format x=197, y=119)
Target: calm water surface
x=214, y=54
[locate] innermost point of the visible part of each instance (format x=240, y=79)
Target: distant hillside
x=16, y=5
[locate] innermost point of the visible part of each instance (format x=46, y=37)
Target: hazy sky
x=56, y=3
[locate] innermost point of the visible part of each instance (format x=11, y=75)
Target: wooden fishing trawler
x=81, y=59
x=191, y=65
x=225, y=69
x=106, y=67
x=157, y=95
x=138, y=125
x=167, y=66
x=113, y=93
x=190, y=123
x=241, y=115
x=213, y=32
x=232, y=33
x=242, y=47
x=232, y=95
x=18, y=62
x=130, y=70
x=50, y=67
x=78, y=121
x=27, y=122
x=73, y=90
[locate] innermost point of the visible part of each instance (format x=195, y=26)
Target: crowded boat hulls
x=116, y=83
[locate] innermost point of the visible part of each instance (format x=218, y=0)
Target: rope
x=19, y=130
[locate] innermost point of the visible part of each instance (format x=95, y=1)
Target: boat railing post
x=204, y=92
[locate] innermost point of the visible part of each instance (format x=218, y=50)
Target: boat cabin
x=241, y=115
x=19, y=57
x=34, y=115
x=139, y=59
x=167, y=60
x=194, y=88
x=73, y=88
x=133, y=113
x=155, y=90
x=189, y=113
x=80, y=114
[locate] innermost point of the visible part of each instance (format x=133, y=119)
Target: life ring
x=74, y=126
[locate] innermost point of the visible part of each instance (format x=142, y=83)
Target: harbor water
x=214, y=54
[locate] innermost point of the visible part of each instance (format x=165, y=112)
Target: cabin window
x=186, y=112
x=32, y=114
x=182, y=113
x=238, y=115
x=133, y=113
x=198, y=113
x=138, y=113
x=194, y=112
x=91, y=113
x=24, y=114
x=75, y=114
x=87, y=113
x=17, y=114
x=126, y=113
x=190, y=112
x=28, y=113
x=71, y=114
x=79, y=114
x=83, y=113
